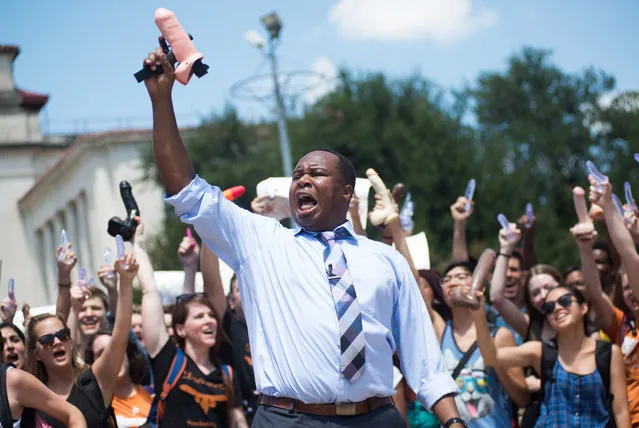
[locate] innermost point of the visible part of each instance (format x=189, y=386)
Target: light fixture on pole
x=254, y=38
x=273, y=25
x=282, y=84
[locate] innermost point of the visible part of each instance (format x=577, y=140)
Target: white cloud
x=622, y=100
x=324, y=80
x=441, y=21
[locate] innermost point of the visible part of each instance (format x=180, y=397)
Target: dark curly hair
x=345, y=166
x=137, y=362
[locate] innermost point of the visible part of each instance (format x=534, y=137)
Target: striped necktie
x=352, y=341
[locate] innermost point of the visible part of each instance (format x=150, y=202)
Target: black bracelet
x=505, y=255
x=451, y=421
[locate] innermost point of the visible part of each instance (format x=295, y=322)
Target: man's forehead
x=317, y=158
x=514, y=262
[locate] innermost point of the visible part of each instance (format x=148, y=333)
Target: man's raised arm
x=170, y=154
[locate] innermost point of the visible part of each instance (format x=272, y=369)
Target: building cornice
x=78, y=147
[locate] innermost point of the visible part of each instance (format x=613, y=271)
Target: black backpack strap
x=464, y=360
x=6, y=419
x=88, y=385
x=603, y=355
x=548, y=360
x=178, y=364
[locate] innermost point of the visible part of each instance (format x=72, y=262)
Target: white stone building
x=52, y=183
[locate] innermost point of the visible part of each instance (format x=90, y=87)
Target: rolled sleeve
x=231, y=232
x=188, y=197
x=420, y=355
x=436, y=388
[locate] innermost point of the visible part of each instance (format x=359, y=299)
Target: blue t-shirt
x=482, y=402
x=499, y=322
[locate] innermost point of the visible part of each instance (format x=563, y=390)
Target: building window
x=42, y=256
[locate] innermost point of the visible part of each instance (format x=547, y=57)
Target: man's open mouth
x=90, y=321
x=306, y=203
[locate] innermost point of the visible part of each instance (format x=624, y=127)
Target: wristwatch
x=452, y=421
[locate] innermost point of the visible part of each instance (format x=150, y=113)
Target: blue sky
x=84, y=54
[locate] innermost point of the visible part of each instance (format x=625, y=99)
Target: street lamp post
x=285, y=146
x=273, y=26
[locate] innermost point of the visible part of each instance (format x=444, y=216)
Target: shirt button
x=576, y=413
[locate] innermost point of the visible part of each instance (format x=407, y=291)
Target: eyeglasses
x=564, y=301
x=62, y=335
x=185, y=298
x=460, y=277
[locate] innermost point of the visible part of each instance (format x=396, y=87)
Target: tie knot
x=339, y=233
x=327, y=236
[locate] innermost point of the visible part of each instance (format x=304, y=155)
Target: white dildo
x=388, y=214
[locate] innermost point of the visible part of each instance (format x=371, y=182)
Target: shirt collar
x=346, y=225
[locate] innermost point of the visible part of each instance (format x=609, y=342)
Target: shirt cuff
x=437, y=387
x=189, y=196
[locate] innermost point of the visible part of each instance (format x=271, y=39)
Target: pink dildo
x=189, y=235
x=181, y=45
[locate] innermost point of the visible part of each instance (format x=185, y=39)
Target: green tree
x=531, y=128
x=225, y=152
x=618, y=126
x=405, y=130
x=534, y=138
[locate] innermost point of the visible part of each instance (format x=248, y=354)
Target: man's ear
x=348, y=192
x=398, y=192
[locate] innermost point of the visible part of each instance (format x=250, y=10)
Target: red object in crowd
x=234, y=192
x=190, y=236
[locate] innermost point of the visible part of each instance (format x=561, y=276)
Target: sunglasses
x=62, y=335
x=564, y=301
x=185, y=298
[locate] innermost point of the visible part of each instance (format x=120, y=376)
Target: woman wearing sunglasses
x=54, y=359
x=576, y=395
x=204, y=394
x=20, y=390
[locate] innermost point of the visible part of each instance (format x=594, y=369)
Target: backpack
x=175, y=373
x=90, y=390
x=549, y=354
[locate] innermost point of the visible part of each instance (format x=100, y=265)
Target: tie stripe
x=345, y=301
x=352, y=342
